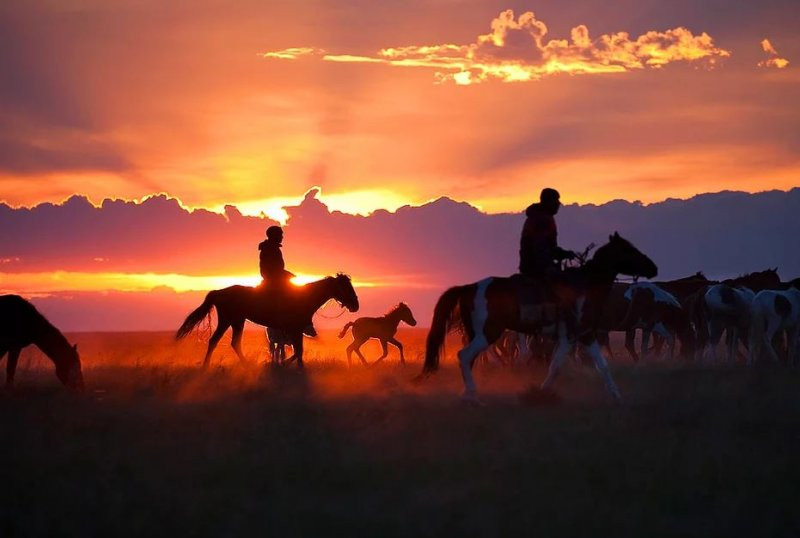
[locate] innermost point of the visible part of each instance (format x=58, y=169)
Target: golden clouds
x=773, y=60
x=516, y=51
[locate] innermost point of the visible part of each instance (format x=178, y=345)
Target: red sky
x=383, y=104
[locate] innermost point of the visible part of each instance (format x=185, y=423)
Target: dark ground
x=156, y=448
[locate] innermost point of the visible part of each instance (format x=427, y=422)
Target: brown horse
x=289, y=309
x=22, y=325
x=383, y=328
x=487, y=308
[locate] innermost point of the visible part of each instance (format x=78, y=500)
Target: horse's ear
x=616, y=235
x=75, y=347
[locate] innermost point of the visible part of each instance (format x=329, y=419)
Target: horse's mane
x=756, y=273
x=396, y=307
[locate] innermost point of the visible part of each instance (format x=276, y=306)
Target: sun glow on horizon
x=74, y=281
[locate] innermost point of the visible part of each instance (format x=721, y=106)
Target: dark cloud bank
x=418, y=250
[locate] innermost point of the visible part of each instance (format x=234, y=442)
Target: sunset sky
x=384, y=104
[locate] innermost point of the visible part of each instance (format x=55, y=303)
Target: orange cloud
x=774, y=59
x=516, y=51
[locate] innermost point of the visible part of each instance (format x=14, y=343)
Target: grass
x=156, y=447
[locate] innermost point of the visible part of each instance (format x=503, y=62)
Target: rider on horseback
x=273, y=269
x=539, y=253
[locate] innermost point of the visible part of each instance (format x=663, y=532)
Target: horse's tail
x=344, y=330
x=445, y=315
x=197, y=315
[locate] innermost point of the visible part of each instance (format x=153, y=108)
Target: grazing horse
x=726, y=307
x=654, y=309
x=22, y=325
x=486, y=308
x=288, y=309
x=774, y=312
x=383, y=328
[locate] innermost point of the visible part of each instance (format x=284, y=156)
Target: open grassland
x=156, y=447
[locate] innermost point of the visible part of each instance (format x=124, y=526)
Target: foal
x=383, y=328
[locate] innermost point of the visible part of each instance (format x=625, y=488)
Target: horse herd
x=587, y=302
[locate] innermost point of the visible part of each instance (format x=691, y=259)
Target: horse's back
x=17, y=320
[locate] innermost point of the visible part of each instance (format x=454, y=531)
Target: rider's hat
x=274, y=232
x=549, y=195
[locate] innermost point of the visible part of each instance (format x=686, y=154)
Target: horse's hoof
x=471, y=399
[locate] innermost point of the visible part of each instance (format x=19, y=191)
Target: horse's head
x=405, y=314
x=760, y=280
x=344, y=292
x=620, y=256
x=68, y=369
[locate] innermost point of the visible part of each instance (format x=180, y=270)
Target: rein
x=340, y=314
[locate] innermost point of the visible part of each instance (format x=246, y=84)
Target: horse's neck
x=319, y=293
x=393, y=317
x=599, y=274
x=50, y=340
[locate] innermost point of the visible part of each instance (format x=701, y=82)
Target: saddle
x=537, y=303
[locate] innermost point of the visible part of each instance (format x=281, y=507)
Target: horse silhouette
x=22, y=325
x=288, y=309
x=725, y=307
x=655, y=310
x=488, y=307
x=383, y=328
x=775, y=313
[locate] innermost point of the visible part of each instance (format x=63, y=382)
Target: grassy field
x=157, y=447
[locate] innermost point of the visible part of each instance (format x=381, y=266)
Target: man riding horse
x=540, y=256
x=273, y=269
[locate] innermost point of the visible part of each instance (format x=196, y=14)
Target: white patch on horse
x=478, y=317
x=659, y=295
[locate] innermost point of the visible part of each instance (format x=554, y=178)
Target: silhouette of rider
x=270, y=258
x=273, y=269
x=539, y=253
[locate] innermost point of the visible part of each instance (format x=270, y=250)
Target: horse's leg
x=602, y=367
x=666, y=336
x=357, y=349
x=399, y=346
x=236, y=339
x=715, y=328
x=630, y=345
x=297, y=345
x=222, y=326
x=11, y=365
x=604, y=339
x=793, y=336
x=385, y=348
x=646, y=331
x=773, y=325
x=559, y=355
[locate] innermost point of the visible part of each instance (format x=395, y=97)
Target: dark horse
x=22, y=325
x=383, y=328
x=490, y=306
x=287, y=309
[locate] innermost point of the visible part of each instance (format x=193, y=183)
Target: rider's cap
x=274, y=232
